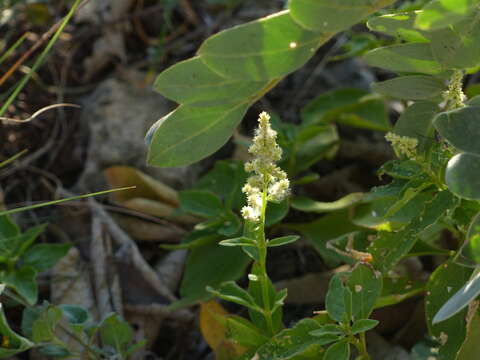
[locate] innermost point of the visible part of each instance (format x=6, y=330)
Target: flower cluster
x=268, y=178
x=403, y=145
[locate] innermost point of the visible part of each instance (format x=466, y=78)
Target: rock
x=117, y=116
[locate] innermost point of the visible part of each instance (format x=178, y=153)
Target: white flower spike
x=268, y=179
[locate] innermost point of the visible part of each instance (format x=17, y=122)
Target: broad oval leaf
x=366, y=286
x=334, y=16
x=413, y=87
x=461, y=128
x=188, y=134
x=441, y=13
x=411, y=57
x=201, y=203
x=17, y=343
x=462, y=177
x=457, y=46
x=263, y=49
x=445, y=281
x=191, y=81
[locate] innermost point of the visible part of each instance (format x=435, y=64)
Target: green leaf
x=417, y=122
x=411, y=87
x=389, y=248
x=201, y=203
x=363, y=325
x=17, y=343
x=240, y=241
x=338, y=351
x=471, y=247
x=461, y=128
x=401, y=169
x=396, y=290
x=459, y=300
x=306, y=204
x=77, y=316
x=399, y=25
x=470, y=346
x=188, y=134
x=445, y=281
x=26, y=239
x=366, y=287
x=457, y=46
x=441, y=13
x=327, y=15
x=324, y=229
x=410, y=57
x=226, y=180
x=52, y=350
x=263, y=49
x=353, y=107
x=329, y=329
x=274, y=299
x=276, y=212
x=290, y=344
x=43, y=329
x=116, y=332
x=231, y=224
x=284, y=240
x=461, y=176
x=210, y=265
x=244, y=332
x=191, y=81
x=230, y=291
x=44, y=256
x=8, y=228
x=311, y=144
x=335, y=299
x=23, y=281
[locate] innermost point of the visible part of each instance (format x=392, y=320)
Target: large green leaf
x=338, y=351
x=411, y=57
x=353, y=107
x=389, y=247
x=461, y=128
x=366, y=286
x=445, y=281
x=210, y=265
x=413, y=87
x=460, y=299
x=462, y=177
x=201, y=203
x=116, y=332
x=189, y=134
x=191, y=81
x=263, y=49
x=325, y=229
x=441, y=13
x=401, y=25
x=333, y=16
x=457, y=46
x=44, y=256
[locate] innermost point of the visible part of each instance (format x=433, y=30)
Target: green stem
x=262, y=251
x=361, y=346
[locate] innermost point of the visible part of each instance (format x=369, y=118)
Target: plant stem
x=262, y=254
x=361, y=346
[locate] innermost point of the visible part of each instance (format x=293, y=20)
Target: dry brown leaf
x=156, y=208
x=146, y=186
